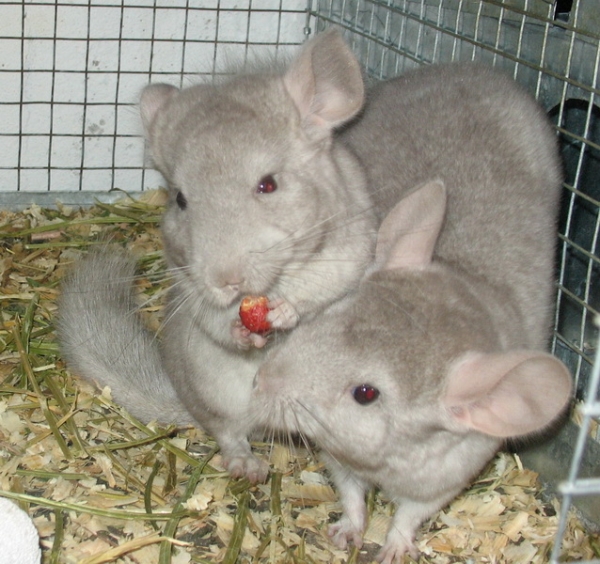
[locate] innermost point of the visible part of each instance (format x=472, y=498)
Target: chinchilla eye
x=266, y=185
x=365, y=394
x=181, y=200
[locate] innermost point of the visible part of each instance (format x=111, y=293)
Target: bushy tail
x=103, y=339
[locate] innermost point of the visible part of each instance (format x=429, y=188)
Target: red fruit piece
x=253, y=313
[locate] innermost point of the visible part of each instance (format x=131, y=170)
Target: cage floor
x=102, y=487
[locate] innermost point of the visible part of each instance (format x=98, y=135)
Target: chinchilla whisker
x=312, y=417
x=332, y=260
x=307, y=232
x=175, y=271
x=360, y=235
x=181, y=300
x=286, y=436
x=178, y=268
x=148, y=300
x=304, y=439
x=310, y=233
x=157, y=278
x=265, y=271
x=359, y=212
x=314, y=284
x=306, y=426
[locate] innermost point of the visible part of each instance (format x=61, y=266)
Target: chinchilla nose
x=230, y=280
x=233, y=286
x=225, y=284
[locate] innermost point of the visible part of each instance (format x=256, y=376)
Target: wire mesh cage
x=71, y=73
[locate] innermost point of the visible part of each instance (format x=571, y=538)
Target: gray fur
x=102, y=337
x=304, y=245
x=451, y=323
x=492, y=145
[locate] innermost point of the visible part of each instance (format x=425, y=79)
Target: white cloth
x=19, y=539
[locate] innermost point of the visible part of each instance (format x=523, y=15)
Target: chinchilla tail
x=103, y=339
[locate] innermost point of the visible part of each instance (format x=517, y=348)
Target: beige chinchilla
x=413, y=383
x=262, y=200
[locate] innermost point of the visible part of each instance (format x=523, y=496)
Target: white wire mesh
x=71, y=73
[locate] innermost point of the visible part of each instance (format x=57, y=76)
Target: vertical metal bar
x=588, y=406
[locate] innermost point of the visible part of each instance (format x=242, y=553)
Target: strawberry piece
x=253, y=313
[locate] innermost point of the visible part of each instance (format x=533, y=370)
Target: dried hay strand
x=102, y=487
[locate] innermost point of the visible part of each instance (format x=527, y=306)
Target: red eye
x=266, y=185
x=365, y=394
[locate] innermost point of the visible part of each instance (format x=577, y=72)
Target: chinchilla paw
x=344, y=532
x=250, y=467
x=282, y=314
x=395, y=547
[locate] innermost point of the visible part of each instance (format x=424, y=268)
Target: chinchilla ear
x=408, y=234
x=325, y=82
x=507, y=394
x=153, y=98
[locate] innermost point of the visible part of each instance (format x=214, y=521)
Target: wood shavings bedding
x=102, y=487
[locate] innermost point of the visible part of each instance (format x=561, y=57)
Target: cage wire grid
x=71, y=72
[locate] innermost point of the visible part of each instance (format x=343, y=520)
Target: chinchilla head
x=254, y=177
x=366, y=381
